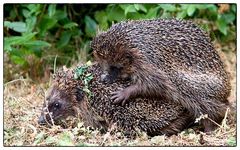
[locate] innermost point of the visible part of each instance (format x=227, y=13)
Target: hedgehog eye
x=57, y=105
x=115, y=68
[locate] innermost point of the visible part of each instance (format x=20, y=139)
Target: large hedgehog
x=168, y=58
x=88, y=98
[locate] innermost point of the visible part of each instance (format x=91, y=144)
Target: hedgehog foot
x=120, y=96
x=208, y=126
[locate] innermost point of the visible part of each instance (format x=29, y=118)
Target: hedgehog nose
x=107, y=79
x=41, y=120
x=104, y=78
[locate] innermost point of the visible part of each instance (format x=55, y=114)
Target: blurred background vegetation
x=40, y=37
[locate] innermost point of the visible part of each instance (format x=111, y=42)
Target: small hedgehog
x=167, y=58
x=89, y=99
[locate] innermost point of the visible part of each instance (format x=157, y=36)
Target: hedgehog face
x=58, y=106
x=118, y=68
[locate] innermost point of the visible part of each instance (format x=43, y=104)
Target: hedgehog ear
x=79, y=94
x=129, y=57
x=132, y=54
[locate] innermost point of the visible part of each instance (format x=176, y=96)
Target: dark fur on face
x=57, y=102
x=66, y=98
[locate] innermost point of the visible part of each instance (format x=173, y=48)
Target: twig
x=54, y=66
x=224, y=122
x=214, y=122
x=23, y=80
x=33, y=128
x=105, y=138
x=46, y=107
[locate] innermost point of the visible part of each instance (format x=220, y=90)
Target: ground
x=23, y=101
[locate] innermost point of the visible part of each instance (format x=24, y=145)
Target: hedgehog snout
x=106, y=78
x=41, y=120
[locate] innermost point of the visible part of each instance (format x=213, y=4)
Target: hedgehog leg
x=122, y=96
x=208, y=126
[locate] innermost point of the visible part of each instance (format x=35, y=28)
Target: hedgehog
x=168, y=58
x=88, y=98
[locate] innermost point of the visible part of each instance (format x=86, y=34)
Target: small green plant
x=82, y=74
x=232, y=141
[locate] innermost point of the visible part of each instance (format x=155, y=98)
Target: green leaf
x=87, y=90
x=26, y=13
x=13, y=14
x=100, y=16
x=201, y=6
x=152, y=13
x=168, y=7
x=182, y=14
x=222, y=25
x=65, y=139
x=16, y=26
x=60, y=14
x=191, y=9
x=89, y=93
x=129, y=8
x=17, y=40
x=166, y=15
x=34, y=8
x=70, y=25
x=89, y=63
x=7, y=46
x=18, y=52
x=232, y=141
x=213, y=8
x=229, y=17
x=183, y=7
x=89, y=77
x=135, y=16
x=18, y=60
x=79, y=72
x=46, y=23
x=102, y=19
x=37, y=43
x=64, y=40
x=90, y=26
x=50, y=140
x=234, y=8
x=51, y=10
x=136, y=7
x=38, y=138
x=140, y=7
x=31, y=22
x=115, y=13
x=77, y=32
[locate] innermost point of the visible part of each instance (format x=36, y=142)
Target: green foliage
x=82, y=74
x=65, y=139
x=90, y=26
x=44, y=31
x=232, y=141
x=180, y=11
x=39, y=137
x=16, y=26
